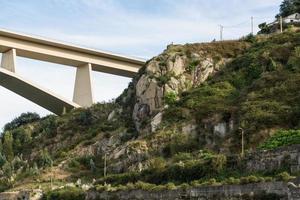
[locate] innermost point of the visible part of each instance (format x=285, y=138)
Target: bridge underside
x=36, y=94
x=85, y=60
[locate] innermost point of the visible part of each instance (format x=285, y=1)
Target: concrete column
x=83, y=94
x=8, y=61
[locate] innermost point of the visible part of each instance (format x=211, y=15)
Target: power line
x=237, y=25
x=245, y=23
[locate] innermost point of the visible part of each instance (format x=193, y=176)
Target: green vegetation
x=170, y=98
x=69, y=193
x=258, y=89
x=289, y=7
x=29, y=145
x=25, y=118
x=282, y=138
x=284, y=176
x=209, y=99
x=197, y=169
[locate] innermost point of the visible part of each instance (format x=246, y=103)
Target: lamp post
x=105, y=165
x=243, y=145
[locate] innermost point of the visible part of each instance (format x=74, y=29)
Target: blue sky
x=140, y=28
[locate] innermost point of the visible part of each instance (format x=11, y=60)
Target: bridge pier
x=83, y=93
x=8, y=61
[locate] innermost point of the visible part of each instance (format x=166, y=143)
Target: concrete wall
x=259, y=191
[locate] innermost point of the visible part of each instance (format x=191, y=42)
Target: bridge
x=84, y=59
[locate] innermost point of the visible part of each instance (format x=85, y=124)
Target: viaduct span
x=85, y=60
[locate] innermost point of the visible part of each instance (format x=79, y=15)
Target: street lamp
x=243, y=145
x=105, y=163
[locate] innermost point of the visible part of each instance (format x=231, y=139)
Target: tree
x=25, y=118
x=287, y=8
x=297, y=5
x=264, y=28
x=8, y=146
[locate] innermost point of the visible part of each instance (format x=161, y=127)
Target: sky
x=139, y=28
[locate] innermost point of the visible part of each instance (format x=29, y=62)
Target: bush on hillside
x=68, y=193
x=25, y=118
x=282, y=138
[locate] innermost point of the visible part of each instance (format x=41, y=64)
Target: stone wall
x=15, y=195
x=258, y=191
x=22, y=195
x=285, y=157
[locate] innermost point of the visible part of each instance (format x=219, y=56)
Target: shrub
x=7, y=170
x=232, y=181
x=23, y=119
x=48, y=126
x=85, y=160
x=282, y=138
x=281, y=53
x=184, y=186
x=163, y=79
x=157, y=164
x=170, y=186
x=249, y=179
x=170, y=98
x=2, y=160
x=73, y=164
x=8, y=146
x=68, y=193
x=219, y=162
x=182, y=143
x=284, y=176
x=195, y=183
x=182, y=157
x=144, y=186
x=85, y=117
x=192, y=66
x=250, y=38
x=44, y=159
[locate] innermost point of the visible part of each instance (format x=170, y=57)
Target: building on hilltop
x=294, y=18
x=291, y=21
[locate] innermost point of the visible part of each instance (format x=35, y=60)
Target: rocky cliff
x=178, y=124
x=178, y=69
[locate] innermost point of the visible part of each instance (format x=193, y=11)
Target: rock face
x=178, y=69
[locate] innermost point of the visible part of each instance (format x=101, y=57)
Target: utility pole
x=281, y=24
x=252, y=25
x=221, y=32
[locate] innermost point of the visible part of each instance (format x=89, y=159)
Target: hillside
x=177, y=124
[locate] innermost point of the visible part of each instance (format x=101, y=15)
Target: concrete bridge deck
x=62, y=53
x=84, y=59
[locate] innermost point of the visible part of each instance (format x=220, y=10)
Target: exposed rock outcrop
x=177, y=69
